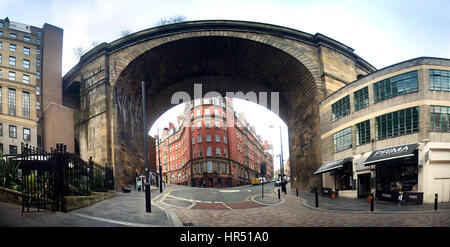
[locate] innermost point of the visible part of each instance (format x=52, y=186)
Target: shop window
x=340, y=108
x=395, y=86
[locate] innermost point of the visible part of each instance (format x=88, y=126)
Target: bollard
x=317, y=199
x=435, y=201
x=371, y=203
x=296, y=191
x=278, y=193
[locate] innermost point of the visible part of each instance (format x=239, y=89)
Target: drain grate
x=188, y=224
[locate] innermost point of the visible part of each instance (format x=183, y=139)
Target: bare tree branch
x=78, y=52
x=171, y=20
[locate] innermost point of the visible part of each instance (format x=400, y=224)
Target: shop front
x=337, y=176
x=396, y=170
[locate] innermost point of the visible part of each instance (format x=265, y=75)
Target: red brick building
x=212, y=146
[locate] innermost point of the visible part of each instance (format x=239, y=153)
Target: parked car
x=277, y=182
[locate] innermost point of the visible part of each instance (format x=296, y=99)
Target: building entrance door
x=363, y=185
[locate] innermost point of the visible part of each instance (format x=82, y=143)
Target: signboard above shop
x=328, y=166
x=391, y=153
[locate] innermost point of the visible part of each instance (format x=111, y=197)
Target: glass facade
x=439, y=118
x=397, y=123
x=395, y=86
x=439, y=80
x=362, y=133
x=361, y=98
x=342, y=140
x=340, y=108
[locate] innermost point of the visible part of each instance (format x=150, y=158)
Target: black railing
x=49, y=176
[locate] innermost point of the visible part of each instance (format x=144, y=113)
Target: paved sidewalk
x=124, y=209
x=293, y=213
x=342, y=204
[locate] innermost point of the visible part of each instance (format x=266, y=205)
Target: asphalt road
x=234, y=194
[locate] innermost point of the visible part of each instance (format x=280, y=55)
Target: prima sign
x=391, y=153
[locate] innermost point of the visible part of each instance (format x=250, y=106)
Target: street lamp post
x=148, y=208
x=283, y=184
x=159, y=161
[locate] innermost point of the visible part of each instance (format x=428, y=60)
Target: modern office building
x=212, y=146
x=388, y=133
x=31, y=88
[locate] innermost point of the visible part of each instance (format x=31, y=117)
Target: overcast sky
x=381, y=32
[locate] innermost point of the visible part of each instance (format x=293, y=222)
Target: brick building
x=31, y=110
x=212, y=146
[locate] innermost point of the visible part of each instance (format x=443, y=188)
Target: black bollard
x=278, y=193
x=148, y=207
x=317, y=199
x=372, y=204
x=296, y=191
x=435, y=201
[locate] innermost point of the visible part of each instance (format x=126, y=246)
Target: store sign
x=328, y=166
x=391, y=153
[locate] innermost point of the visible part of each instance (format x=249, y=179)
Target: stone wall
x=11, y=196
x=76, y=202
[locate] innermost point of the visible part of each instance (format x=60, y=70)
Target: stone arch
x=303, y=67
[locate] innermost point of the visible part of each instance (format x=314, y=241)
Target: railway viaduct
x=104, y=88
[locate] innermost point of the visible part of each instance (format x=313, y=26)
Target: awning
x=391, y=153
x=328, y=166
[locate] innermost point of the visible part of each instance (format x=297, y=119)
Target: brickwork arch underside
x=222, y=64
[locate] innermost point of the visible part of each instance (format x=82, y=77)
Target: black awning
x=328, y=166
x=391, y=153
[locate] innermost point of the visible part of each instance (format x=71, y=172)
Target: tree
x=78, y=52
x=8, y=172
x=171, y=20
x=124, y=33
x=94, y=44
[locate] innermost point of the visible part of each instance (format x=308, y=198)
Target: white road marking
x=119, y=222
x=228, y=191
